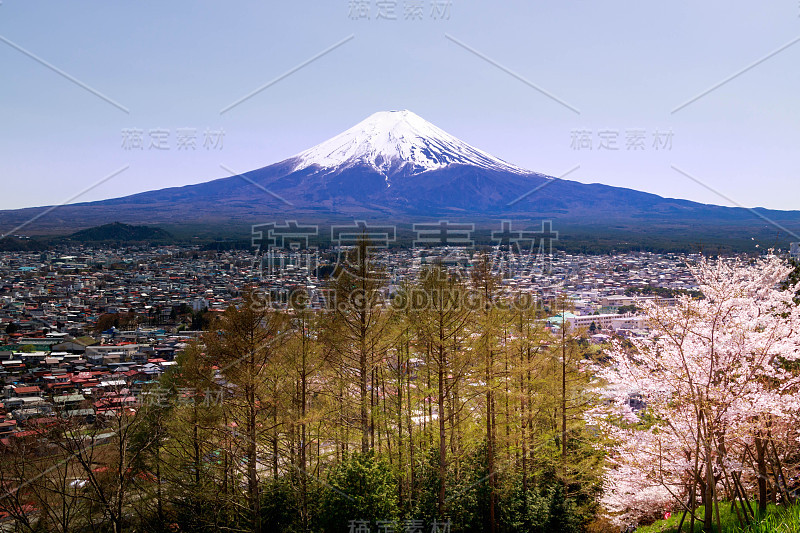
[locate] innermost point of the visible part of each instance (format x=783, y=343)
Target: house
x=13, y=366
x=77, y=346
x=23, y=391
x=7, y=426
x=68, y=401
x=124, y=351
x=33, y=411
x=600, y=338
x=39, y=342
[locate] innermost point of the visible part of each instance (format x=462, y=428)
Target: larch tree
x=439, y=317
x=488, y=320
x=244, y=343
x=355, y=329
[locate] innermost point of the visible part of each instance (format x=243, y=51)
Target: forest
x=447, y=405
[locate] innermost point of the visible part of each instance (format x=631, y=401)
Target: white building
x=613, y=322
x=585, y=321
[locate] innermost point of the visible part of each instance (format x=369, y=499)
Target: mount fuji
x=397, y=143
x=395, y=166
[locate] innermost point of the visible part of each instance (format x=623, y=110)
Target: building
x=586, y=321
x=607, y=322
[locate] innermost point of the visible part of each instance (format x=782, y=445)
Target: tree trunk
x=364, y=415
x=252, y=472
x=442, y=433
x=564, y=394
x=400, y=465
x=708, y=498
x=761, y=465
x=303, y=461
x=490, y=442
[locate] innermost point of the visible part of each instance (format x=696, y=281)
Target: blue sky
x=605, y=71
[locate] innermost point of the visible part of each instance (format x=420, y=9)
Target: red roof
x=43, y=421
x=26, y=390
x=60, y=385
x=28, y=433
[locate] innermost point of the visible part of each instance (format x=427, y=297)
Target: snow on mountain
x=397, y=142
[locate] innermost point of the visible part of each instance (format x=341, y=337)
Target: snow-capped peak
x=395, y=142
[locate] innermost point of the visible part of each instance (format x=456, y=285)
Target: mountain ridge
x=395, y=166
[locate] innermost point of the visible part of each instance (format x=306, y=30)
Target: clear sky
x=532, y=82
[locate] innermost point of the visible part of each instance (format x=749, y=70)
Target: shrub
x=362, y=487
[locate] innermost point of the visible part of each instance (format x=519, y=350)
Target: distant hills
x=395, y=167
x=16, y=244
x=114, y=233
x=119, y=232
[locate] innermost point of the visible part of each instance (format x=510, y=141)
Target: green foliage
x=361, y=487
x=201, y=320
x=524, y=510
x=279, y=506
x=781, y=521
x=776, y=520
x=427, y=484
x=561, y=513
x=542, y=508
x=467, y=496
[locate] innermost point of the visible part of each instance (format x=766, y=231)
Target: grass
x=777, y=520
x=781, y=521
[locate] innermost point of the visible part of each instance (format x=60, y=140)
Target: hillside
x=119, y=232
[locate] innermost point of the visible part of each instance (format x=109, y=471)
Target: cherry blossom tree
x=695, y=408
